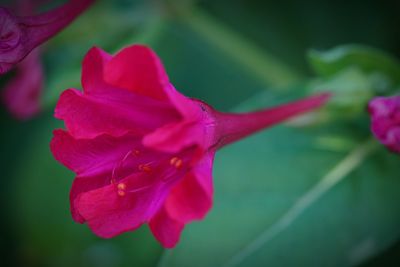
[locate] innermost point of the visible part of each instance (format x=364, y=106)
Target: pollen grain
x=121, y=186
x=176, y=162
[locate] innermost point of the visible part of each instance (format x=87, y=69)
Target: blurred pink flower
x=22, y=93
x=19, y=35
x=143, y=152
x=385, y=121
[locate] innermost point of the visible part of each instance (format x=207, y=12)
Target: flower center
x=164, y=169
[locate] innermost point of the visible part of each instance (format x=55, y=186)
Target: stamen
x=140, y=188
x=121, y=189
x=144, y=168
x=176, y=162
x=121, y=186
x=120, y=164
x=126, y=156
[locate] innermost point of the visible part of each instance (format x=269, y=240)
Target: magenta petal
x=138, y=69
x=92, y=71
x=22, y=92
x=166, y=229
x=108, y=213
x=85, y=184
x=94, y=85
x=393, y=139
x=192, y=197
x=87, y=116
x=177, y=136
x=88, y=157
x=385, y=121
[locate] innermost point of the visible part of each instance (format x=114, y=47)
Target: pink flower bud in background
x=385, y=121
x=19, y=35
x=21, y=94
x=142, y=151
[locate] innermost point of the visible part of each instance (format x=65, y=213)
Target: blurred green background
x=235, y=55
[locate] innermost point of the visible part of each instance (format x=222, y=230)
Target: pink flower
x=143, y=152
x=20, y=35
x=22, y=93
x=385, y=121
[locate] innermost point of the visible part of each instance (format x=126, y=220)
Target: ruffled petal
x=385, y=121
x=192, y=197
x=92, y=71
x=188, y=200
x=393, y=139
x=81, y=185
x=138, y=69
x=88, y=157
x=109, y=214
x=166, y=229
x=86, y=116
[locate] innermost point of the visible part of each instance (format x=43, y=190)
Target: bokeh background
x=236, y=55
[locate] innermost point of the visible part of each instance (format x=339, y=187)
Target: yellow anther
x=121, y=186
x=136, y=152
x=121, y=193
x=176, y=162
x=144, y=168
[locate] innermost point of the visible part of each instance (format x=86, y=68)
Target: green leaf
x=284, y=197
x=354, y=74
x=367, y=59
x=352, y=89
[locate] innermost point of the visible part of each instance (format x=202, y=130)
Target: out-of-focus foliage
x=365, y=58
x=354, y=74
x=277, y=202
